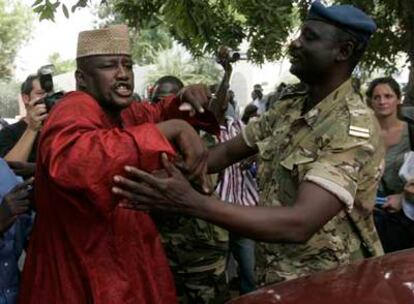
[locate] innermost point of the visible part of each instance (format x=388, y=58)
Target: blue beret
x=346, y=17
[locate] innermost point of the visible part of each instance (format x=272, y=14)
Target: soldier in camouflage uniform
x=334, y=145
x=197, y=253
x=196, y=250
x=320, y=160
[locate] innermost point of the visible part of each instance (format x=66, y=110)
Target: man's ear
x=346, y=50
x=25, y=99
x=80, y=79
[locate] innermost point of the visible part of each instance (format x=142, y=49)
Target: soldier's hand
x=145, y=192
x=36, y=114
x=194, y=98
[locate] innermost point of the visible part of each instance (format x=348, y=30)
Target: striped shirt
x=236, y=185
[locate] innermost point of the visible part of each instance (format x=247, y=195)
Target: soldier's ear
x=346, y=49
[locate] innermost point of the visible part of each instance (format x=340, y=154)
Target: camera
x=225, y=54
x=236, y=56
x=45, y=74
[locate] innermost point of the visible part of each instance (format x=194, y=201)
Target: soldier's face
x=313, y=53
x=110, y=80
x=384, y=101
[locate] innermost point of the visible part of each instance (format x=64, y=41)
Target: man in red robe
x=84, y=248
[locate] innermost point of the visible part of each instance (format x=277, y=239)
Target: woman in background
x=384, y=96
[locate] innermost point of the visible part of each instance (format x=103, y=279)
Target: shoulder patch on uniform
x=360, y=118
x=358, y=132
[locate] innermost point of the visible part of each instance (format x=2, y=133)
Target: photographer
x=18, y=141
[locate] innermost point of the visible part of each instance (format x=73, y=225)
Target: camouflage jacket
x=336, y=145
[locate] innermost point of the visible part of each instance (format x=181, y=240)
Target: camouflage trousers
x=202, y=288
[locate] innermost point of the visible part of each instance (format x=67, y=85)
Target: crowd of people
x=117, y=199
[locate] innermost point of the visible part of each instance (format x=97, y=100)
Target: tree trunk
x=408, y=23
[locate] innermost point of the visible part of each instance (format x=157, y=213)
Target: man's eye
x=106, y=66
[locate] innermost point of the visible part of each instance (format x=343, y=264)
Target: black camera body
x=45, y=74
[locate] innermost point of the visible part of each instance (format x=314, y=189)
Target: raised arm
x=219, y=103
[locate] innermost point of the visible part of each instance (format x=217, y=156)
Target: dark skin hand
x=194, y=98
x=313, y=207
x=16, y=202
x=23, y=169
x=192, y=148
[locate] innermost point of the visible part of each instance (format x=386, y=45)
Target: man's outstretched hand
x=144, y=191
x=194, y=98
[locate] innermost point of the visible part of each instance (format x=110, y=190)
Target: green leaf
x=65, y=11
x=36, y=3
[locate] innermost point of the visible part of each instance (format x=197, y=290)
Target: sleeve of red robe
x=82, y=149
x=168, y=108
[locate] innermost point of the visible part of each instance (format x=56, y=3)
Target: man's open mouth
x=123, y=90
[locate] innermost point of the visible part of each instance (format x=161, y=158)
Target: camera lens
x=235, y=56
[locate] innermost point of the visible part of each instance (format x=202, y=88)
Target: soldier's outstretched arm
x=312, y=209
x=227, y=153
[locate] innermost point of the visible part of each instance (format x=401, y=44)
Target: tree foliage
x=47, y=8
x=203, y=26
x=146, y=42
x=15, y=23
x=268, y=25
